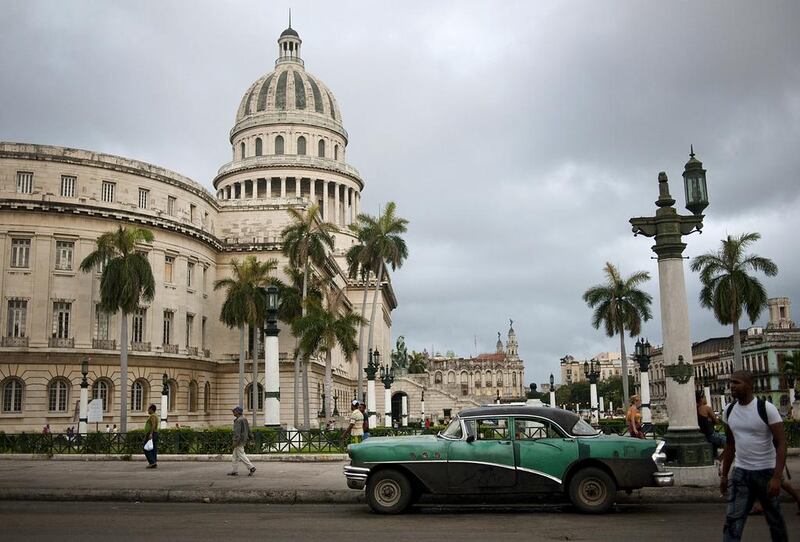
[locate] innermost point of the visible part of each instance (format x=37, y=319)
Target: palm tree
x=358, y=268
x=727, y=287
x=306, y=240
x=418, y=362
x=619, y=305
x=126, y=280
x=384, y=246
x=245, y=304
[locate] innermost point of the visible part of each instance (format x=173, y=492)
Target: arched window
x=259, y=147
x=321, y=148
x=451, y=377
x=139, y=395
x=58, y=395
x=336, y=152
x=172, y=395
x=464, y=377
x=12, y=395
x=102, y=389
x=499, y=378
x=279, y=145
x=207, y=398
x=301, y=145
x=487, y=380
x=437, y=378
x=514, y=379
x=241, y=147
x=192, y=396
x=248, y=393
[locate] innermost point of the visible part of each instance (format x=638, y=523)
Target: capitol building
x=288, y=150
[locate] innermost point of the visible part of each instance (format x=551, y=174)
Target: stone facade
x=610, y=366
x=288, y=151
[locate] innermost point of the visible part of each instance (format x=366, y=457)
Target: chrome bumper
x=356, y=476
x=663, y=479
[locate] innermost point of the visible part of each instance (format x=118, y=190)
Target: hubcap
x=387, y=493
x=593, y=491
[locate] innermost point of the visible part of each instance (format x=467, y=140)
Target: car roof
x=564, y=418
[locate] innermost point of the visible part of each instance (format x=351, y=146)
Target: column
x=602, y=406
x=387, y=406
x=593, y=405
x=325, y=216
x=283, y=187
x=298, y=186
x=372, y=408
x=272, y=382
x=647, y=414
x=164, y=406
x=83, y=415
x=404, y=411
x=254, y=184
x=335, y=204
x=269, y=187
x=312, y=192
x=348, y=193
x=552, y=398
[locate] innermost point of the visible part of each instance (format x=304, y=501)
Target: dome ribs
x=299, y=91
x=262, y=94
x=280, y=91
x=319, y=107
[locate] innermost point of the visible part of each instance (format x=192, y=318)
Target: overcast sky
x=517, y=137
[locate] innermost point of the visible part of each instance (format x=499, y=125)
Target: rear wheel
x=592, y=491
x=389, y=492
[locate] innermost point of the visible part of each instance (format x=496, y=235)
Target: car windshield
x=583, y=429
x=453, y=430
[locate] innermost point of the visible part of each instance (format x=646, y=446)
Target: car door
x=484, y=460
x=543, y=454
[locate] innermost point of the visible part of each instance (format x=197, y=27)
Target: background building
x=610, y=366
x=288, y=150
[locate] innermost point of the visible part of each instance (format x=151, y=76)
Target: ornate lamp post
x=552, y=391
x=592, y=371
x=387, y=377
x=164, y=400
x=83, y=417
x=372, y=369
x=272, y=381
x=686, y=446
x=422, y=409
x=642, y=354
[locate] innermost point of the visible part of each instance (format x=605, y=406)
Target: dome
x=290, y=32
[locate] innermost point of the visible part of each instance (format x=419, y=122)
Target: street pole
x=404, y=411
x=552, y=391
x=83, y=415
x=272, y=380
x=164, y=401
x=372, y=369
x=642, y=352
x=387, y=377
x=685, y=445
x=602, y=406
x=591, y=370
x=422, y=410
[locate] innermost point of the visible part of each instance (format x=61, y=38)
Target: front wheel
x=389, y=492
x=592, y=491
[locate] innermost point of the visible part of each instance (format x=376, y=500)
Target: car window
x=528, y=429
x=454, y=429
x=488, y=428
x=583, y=429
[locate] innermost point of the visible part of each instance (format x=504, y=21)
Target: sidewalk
x=275, y=482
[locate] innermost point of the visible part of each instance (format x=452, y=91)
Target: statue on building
x=400, y=356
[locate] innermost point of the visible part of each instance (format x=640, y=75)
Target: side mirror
x=470, y=439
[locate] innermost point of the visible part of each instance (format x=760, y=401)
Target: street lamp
x=642, y=351
x=164, y=401
x=83, y=417
x=685, y=445
x=387, y=377
x=552, y=391
x=592, y=371
x=371, y=369
x=272, y=381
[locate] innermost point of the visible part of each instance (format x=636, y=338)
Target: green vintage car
x=506, y=449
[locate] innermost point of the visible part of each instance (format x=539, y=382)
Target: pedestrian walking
x=756, y=448
x=634, y=417
x=46, y=429
x=151, y=433
x=241, y=434
x=356, y=428
x=706, y=420
x=363, y=409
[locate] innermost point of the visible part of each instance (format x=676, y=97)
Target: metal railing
x=104, y=344
x=58, y=342
x=14, y=341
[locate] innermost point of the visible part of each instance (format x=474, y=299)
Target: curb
x=267, y=496
x=288, y=458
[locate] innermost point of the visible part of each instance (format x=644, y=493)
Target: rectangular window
x=62, y=312
x=64, y=250
x=17, y=314
x=167, y=328
x=144, y=198
x=20, y=252
x=189, y=274
x=205, y=276
x=101, y=323
x=24, y=182
x=189, y=324
x=169, y=264
x=138, y=326
x=107, y=194
x=170, y=206
x=192, y=210
x=203, y=333
x=68, y=186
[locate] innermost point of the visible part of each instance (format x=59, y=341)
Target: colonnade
x=339, y=202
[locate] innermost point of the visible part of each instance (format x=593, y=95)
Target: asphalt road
x=47, y=521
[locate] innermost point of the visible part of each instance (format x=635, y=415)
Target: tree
x=418, y=362
x=384, y=246
x=306, y=240
x=791, y=364
x=324, y=328
x=728, y=288
x=618, y=306
x=126, y=281
x=245, y=303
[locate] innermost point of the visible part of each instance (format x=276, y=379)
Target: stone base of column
x=687, y=448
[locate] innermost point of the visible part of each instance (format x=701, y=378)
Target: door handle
x=506, y=442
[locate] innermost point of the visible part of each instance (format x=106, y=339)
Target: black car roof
x=565, y=418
